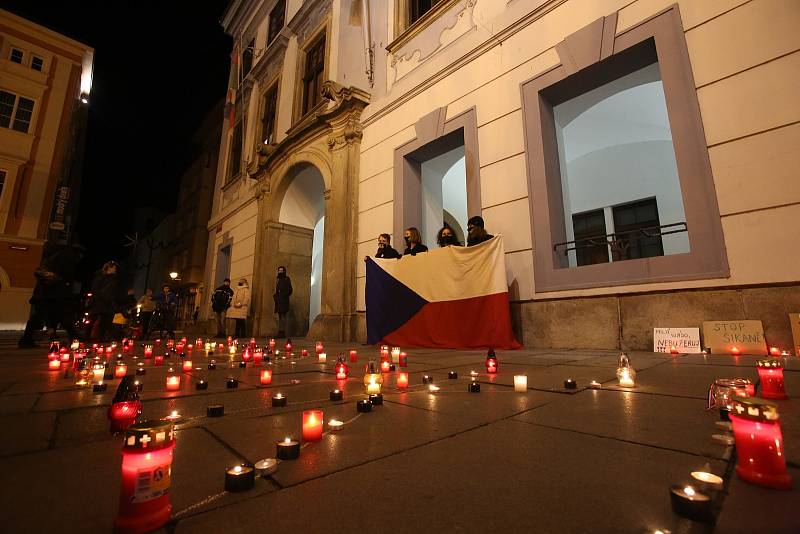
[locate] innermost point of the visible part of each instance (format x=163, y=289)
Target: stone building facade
x=45, y=81
x=638, y=157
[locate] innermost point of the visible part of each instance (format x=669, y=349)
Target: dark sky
x=160, y=66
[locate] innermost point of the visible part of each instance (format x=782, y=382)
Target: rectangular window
x=270, y=113
x=417, y=8
x=235, y=161
x=22, y=118
x=590, y=237
x=277, y=18
x=636, y=227
x=312, y=79
x=2, y=181
x=16, y=55
x=7, y=101
x=247, y=59
x=37, y=63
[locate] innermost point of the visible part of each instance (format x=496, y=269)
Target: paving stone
x=750, y=508
x=684, y=380
x=507, y=476
x=662, y=421
x=17, y=403
x=25, y=432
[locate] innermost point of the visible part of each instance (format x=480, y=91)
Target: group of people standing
x=227, y=303
x=445, y=237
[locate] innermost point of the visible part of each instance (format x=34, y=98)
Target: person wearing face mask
x=476, y=234
x=413, y=241
x=385, y=249
x=240, y=308
x=283, y=288
x=446, y=237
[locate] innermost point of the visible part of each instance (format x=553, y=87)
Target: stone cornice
x=308, y=17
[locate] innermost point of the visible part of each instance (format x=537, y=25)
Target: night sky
x=160, y=66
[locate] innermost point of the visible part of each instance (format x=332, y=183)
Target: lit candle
x=266, y=377
x=198, y=342
x=735, y=350
x=54, y=365
x=570, y=383
x=138, y=386
x=65, y=357
x=707, y=478
x=173, y=416
x=402, y=380
x=170, y=343
x=774, y=351
x=385, y=366
x=304, y=353
x=186, y=366
x=271, y=344
x=403, y=359
x=75, y=345
x=626, y=375
x=312, y=425
x=266, y=467
x=158, y=342
x=594, y=384
x=287, y=449
x=318, y=348
x=452, y=375
x=120, y=370
x=99, y=387
x=432, y=388
x=342, y=370
x=759, y=443
x=278, y=401
x=376, y=399
x=335, y=425
x=396, y=355
x=373, y=388
x=232, y=383
x=288, y=345
x=363, y=406
x=158, y=360
x=491, y=362
x=240, y=478
x=173, y=382
x=98, y=371
x=322, y=357
x=140, y=370
x=691, y=503
x=372, y=379
x=353, y=356
x=673, y=349
x=212, y=365
x=384, y=353
x=109, y=350
x=247, y=355
x=336, y=395
x=148, y=351
x=232, y=350
x=473, y=374
x=474, y=387
x=201, y=385
x=427, y=379
x=770, y=373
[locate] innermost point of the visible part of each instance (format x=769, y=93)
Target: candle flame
x=238, y=469
x=287, y=441
x=689, y=491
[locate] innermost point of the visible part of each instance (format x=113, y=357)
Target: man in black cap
x=476, y=234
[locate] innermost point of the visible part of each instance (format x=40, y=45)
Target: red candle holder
x=120, y=370
x=170, y=343
x=64, y=357
x=158, y=360
x=109, y=351
x=189, y=348
x=258, y=357
x=384, y=354
x=52, y=355
x=385, y=366
x=125, y=348
x=304, y=353
x=148, y=351
x=271, y=343
x=247, y=355
x=54, y=365
x=673, y=349
x=402, y=380
x=735, y=350
x=774, y=351
x=198, y=342
x=266, y=377
x=187, y=366
x=144, y=502
x=288, y=345
x=491, y=362
x=179, y=347
x=759, y=444
x=123, y=414
x=770, y=373
x=158, y=342
x=353, y=356
x=173, y=382
x=403, y=359
x=312, y=425
x=342, y=370
x=318, y=348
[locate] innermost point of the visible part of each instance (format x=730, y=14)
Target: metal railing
x=620, y=240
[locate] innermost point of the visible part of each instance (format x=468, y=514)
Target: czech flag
x=452, y=297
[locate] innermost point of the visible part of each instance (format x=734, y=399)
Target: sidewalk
x=546, y=460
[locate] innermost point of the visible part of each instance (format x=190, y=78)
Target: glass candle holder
x=520, y=383
x=318, y=347
x=173, y=382
x=759, y=443
x=312, y=425
x=770, y=373
x=353, y=356
x=53, y=365
x=491, y=362
x=626, y=375
x=186, y=366
x=266, y=377
x=401, y=380
x=120, y=370
x=722, y=392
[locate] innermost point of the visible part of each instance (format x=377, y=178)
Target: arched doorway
x=296, y=242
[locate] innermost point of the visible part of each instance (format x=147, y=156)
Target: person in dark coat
x=105, y=293
x=283, y=289
x=220, y=302
x=446, y=237
x=385, y=249
x=167, y=309
x=50, y=296
x=413, y=241
x=476, y=234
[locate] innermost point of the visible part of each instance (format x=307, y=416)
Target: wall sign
x=686, y=340
x=732, y=337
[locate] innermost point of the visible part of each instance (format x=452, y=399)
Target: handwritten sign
x=732, y=337
x=686, y=340
x=794, y=320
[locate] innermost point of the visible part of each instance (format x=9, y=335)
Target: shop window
x=313, y=75
x=277, y=19
x=620, y=182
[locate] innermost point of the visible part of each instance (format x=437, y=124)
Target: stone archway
x=327, y=141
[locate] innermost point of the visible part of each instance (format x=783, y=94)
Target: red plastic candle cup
x=125, y=348
x=759, y=443
x=170, y=343
x=109, y=351
x=120, y=370
x=148, y=351
x=774, y=351
x=144, y=503
x=289, y=346
x=304, y=353
x=123, y=414
x=198, y=342
x=52, y=355
x=342, y=371
x=189, y=348
x=179, y=347
x=353, y=356
x=266, y=377
x=770, y=373
x=384, y=355
x=173, y=382
x=65, y=357
x=402, y=380
x=403, y=359
x=258, y=357
x=187, y=366
x=385, y=365
x=491, y=363
x=247, y=355
x=271, y=344
x=54, y=365
x=318, y=348
x=158, y=360
x=312, y=425
x=158, y=342
x=735, y=350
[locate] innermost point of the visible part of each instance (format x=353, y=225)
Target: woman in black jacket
x=283, y=288
x=105, y=293
x=413, y=240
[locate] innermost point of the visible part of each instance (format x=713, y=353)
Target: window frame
x=589, y=58
x=21, y=55
x=271, y=36
x=272, y=88
x=15, y=110
x=319, y=40
x=3, y=180
x=41, y=60
x=405, y=30
x=234, y=172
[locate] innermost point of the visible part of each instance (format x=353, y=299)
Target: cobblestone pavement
x=544, y=460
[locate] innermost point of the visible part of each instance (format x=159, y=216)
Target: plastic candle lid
x=754, y=409
x=150, y=435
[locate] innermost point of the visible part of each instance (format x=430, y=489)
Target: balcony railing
x=619, y=242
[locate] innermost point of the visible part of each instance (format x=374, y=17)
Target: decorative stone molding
x=308, y=17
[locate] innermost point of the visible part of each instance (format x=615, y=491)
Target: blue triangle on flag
x=390, y=304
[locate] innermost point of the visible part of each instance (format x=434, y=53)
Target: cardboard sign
x=794, y=320
x=746, y=336
x=686, y=340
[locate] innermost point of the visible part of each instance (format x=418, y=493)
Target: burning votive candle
x=336, y=395
x=433, y=389
x=353, y=356
x=774, y=351
x=427, y=379
x=673, y=350
x=342, y=370
x=318, y=348
x=759, y=443
x=266, y=377
x=232, y=383
x=287, y=449
x=395, y=354
x=770, y=372
x=65, y=357
x=158, y=360
x=138, y=386
x=594, y=384
x=569, y=383
x=474, y=387
x=363, y=406
x=173, y=416
x=278, y=401
x=140, y=370
x=690, y=503
x=54, y=365
x=707, y=478
x=402, y=380
x=240, y=478
x=266, y=467
x=403, y=359
x=452, y=375
x=187, y=366
x=173, y=382
x=735, y=350
x=322, y=357
x=212, y=365
x=373, y=388
x=120, y=370
x=335, y=425
x=242, y=365
x=626, y=375
x=385, y=366
x=376, y=399
x=520, y=383
x=98, y=371
x=312, y=425
x=201, y=385
x=303, y=353
x=491, y=362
